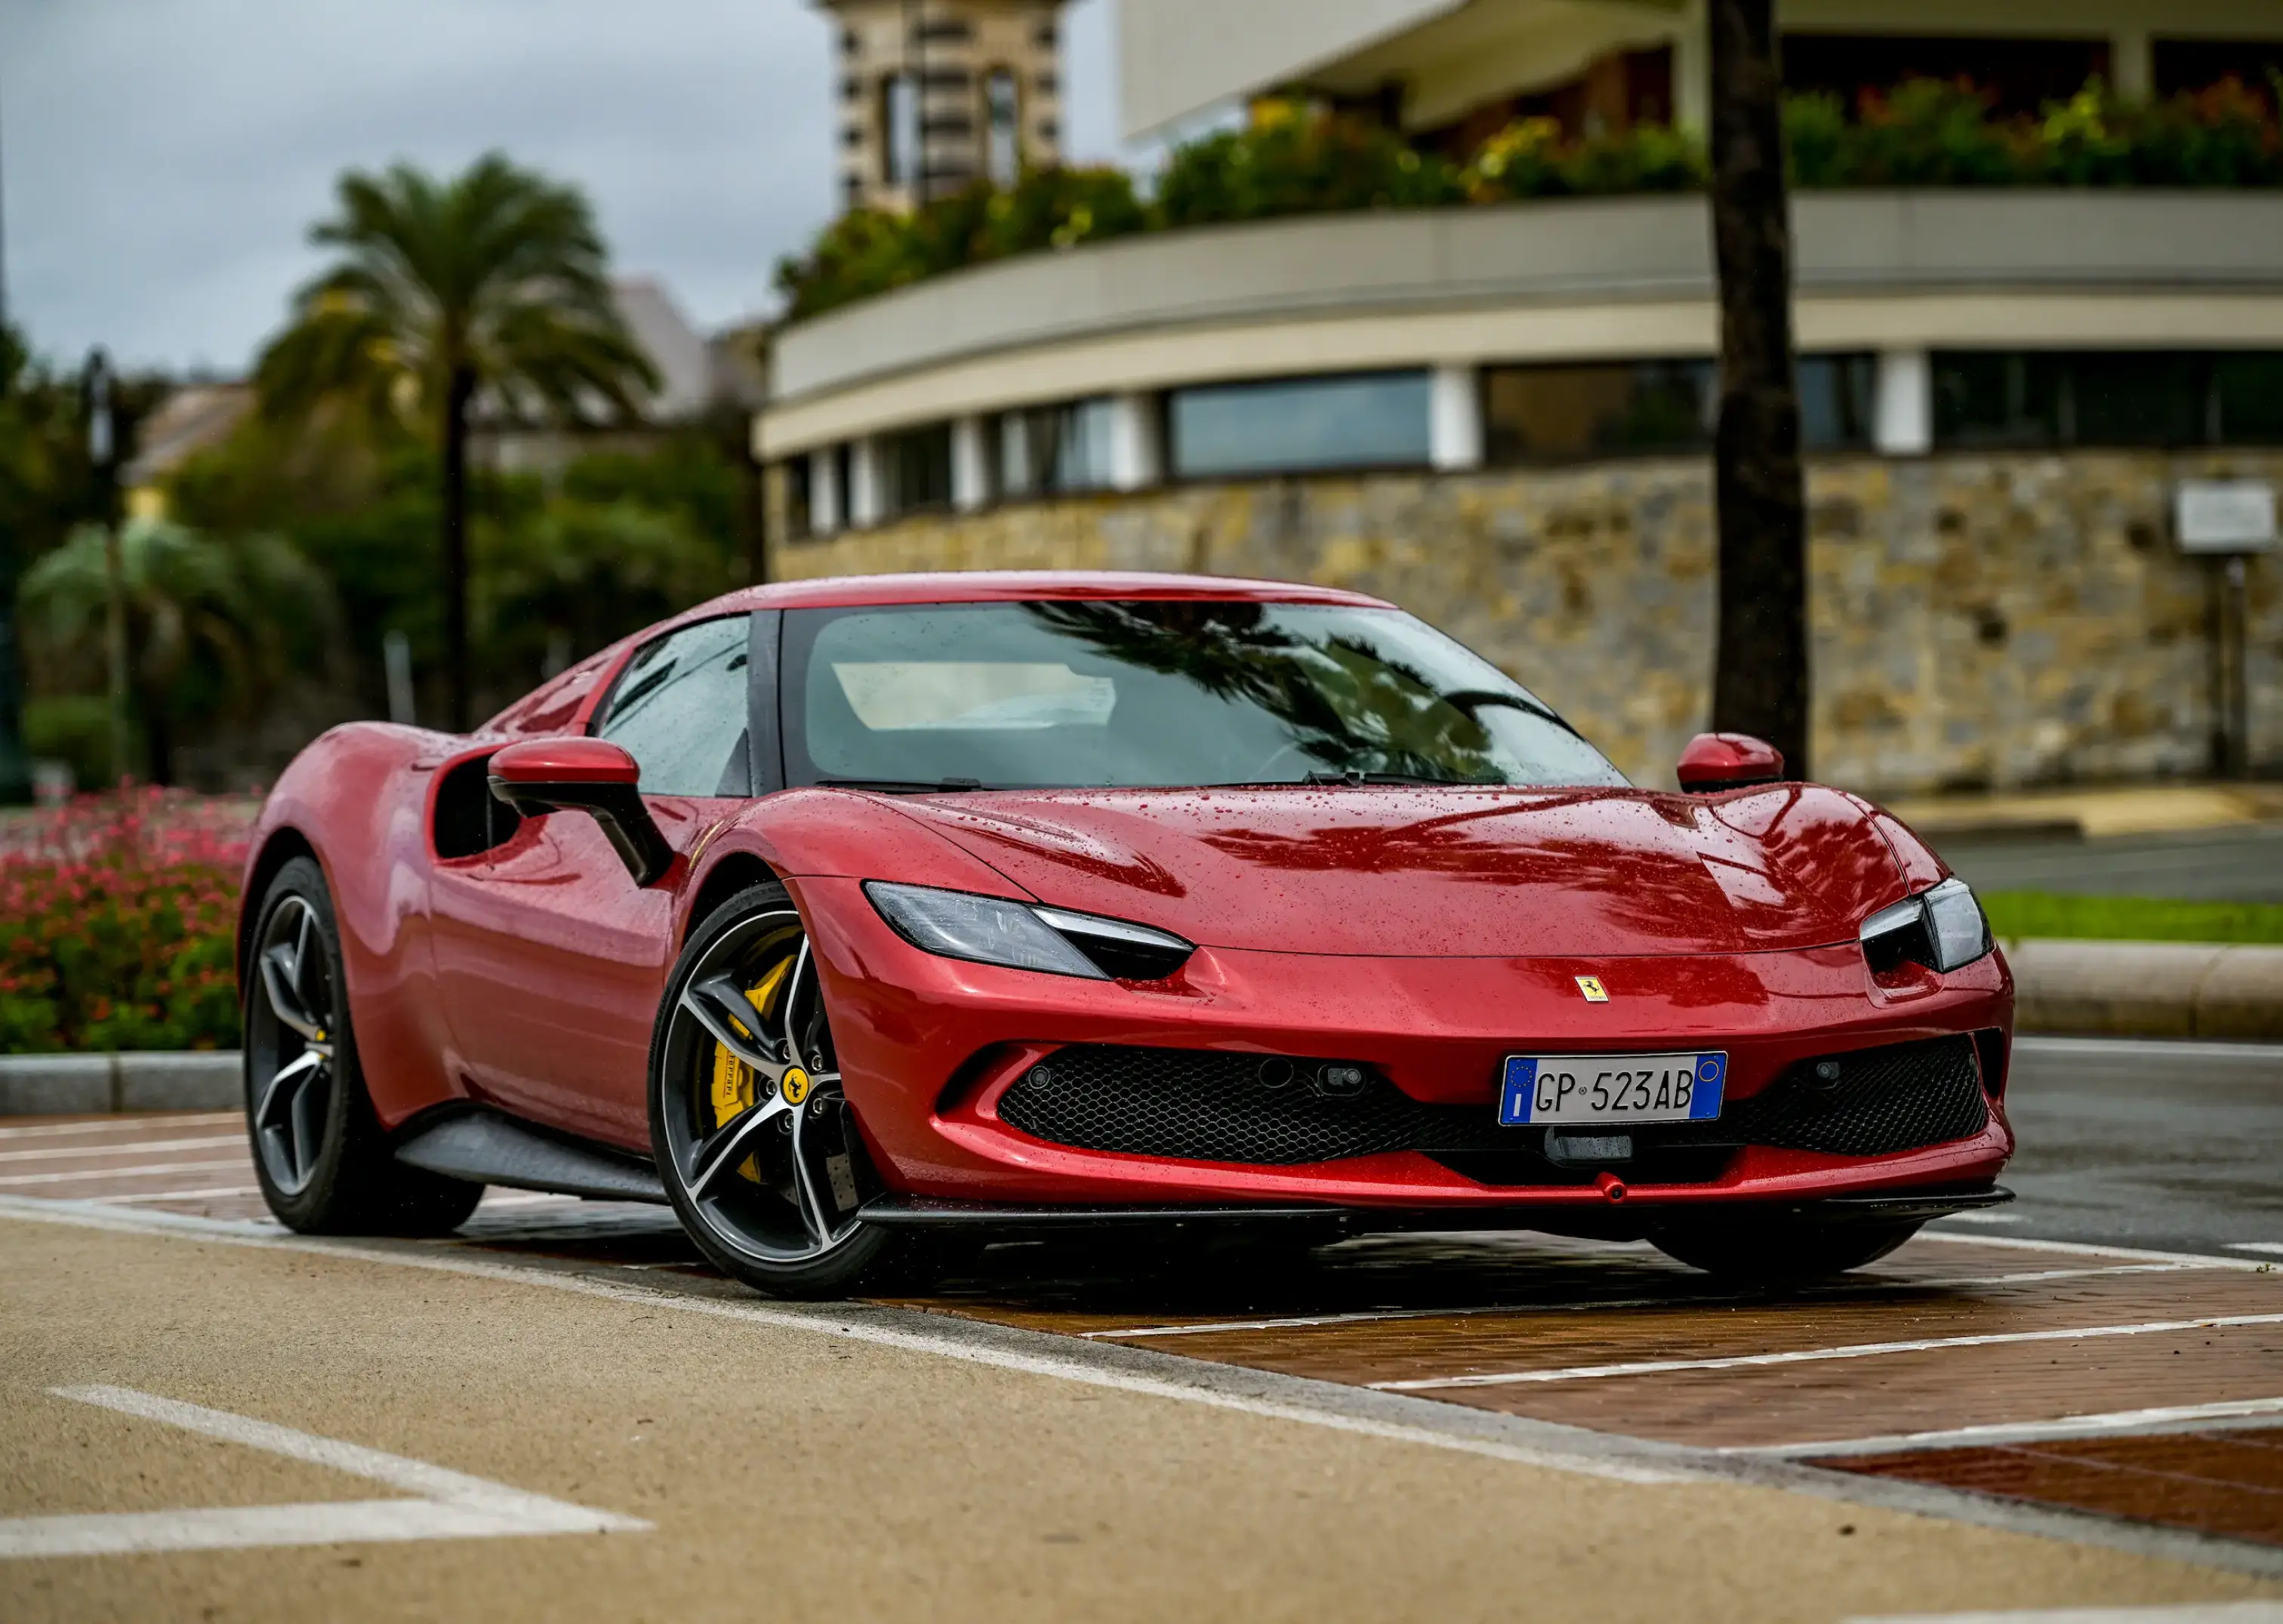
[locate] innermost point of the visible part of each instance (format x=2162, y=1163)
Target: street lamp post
x=101, y=451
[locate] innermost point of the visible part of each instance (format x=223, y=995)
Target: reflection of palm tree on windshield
x=1347, y=707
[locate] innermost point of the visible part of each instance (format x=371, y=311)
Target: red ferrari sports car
x=845, y=916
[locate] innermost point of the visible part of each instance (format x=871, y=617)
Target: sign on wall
x=2224, y=516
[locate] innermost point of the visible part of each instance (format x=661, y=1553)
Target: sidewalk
x=2094, y=814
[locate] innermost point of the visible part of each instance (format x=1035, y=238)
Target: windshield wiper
x=901, y=787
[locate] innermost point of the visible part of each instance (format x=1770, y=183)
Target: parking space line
x=450, y=1504
x=167, y=1168
x=55, y=1153
x=2114, y=1424
x=1816, y=1356
x=1818, y=1294
x=2167, y=1612
x=2087, y=1249
x=122, y=1124
x=2274, y=1246
x=180, y=1195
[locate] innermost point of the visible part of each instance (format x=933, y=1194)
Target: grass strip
x=2016, y=914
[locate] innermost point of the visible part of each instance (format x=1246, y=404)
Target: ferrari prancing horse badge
x=1591, y=986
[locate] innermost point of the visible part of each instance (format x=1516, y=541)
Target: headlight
x=991, y=930
x=1941, y=928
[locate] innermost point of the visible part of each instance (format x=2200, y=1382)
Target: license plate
x=1684, y=1088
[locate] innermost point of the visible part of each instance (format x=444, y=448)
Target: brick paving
x=1556, y=1314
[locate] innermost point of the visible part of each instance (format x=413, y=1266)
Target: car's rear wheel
x=754, y=1138
x=320, y=1155
x=1779, y=1250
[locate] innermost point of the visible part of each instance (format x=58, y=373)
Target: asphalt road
x=2221, y=865
x=561, y=1413
x=2176, y=1146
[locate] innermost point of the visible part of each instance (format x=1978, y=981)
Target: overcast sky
x=163, y=159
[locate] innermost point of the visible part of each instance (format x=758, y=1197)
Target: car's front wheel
x=1778, y=1249
x=755, y=1142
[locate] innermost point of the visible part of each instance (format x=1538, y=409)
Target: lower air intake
x=1201, y=1105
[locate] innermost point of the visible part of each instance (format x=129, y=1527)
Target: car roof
x=1014, y=586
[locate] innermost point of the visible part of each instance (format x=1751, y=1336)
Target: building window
x=1043, y=450
x=1002, y=127
x=1574, y=413
x=2019, y=75
x=1293, y=425
x=900, y=129
x=842, y=471
x=1539, y=414
x=2179, y=67
x=2107, y=398
x=800, y=511
x=1838, y=401
x=914, y=469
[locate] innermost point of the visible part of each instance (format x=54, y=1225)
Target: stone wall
x=1997, y=620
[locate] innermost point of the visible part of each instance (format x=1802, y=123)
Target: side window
x=679, y=708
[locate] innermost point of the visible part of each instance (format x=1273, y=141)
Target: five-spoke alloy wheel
x=319, y=1153
x=754, y=1135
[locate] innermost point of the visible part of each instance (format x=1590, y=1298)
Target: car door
x=550, y=958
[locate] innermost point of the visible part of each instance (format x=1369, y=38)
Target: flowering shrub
x=117, y=922
x=1292, y=160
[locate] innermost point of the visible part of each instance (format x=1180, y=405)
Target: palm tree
x=490, y=285
x=217, y=627
x=1760, y=676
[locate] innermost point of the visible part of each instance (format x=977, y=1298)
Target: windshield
x=1074, y=693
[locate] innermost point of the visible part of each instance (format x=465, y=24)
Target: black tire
x=1780, y=1251
x=751, y=1214
x=320, y=1155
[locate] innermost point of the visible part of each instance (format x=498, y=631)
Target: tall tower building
x=935, y=94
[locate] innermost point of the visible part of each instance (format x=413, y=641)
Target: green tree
x=216, y=627
x=490, y=285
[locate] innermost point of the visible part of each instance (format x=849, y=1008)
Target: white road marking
x=1843, y=1289
x=180, y=1195
x=237, y=1165
x=2115, y=1423
x=1565, y=1450
x=2167, y=1613
x=1816, y=1356
x=2274, y=1246
x=52, y=1152
x=527, y=1198
x=1980, y=1218
x=451, y=1505
x=2086, y=1249
x=130, y=1122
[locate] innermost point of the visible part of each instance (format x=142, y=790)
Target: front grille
x=1199, y=1105
x=1904, y=1097
x=1202, y=1105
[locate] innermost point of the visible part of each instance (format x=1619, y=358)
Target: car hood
x=1571, y=874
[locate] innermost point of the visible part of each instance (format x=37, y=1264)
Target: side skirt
x=486, y=1148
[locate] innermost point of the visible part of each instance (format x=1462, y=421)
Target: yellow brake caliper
x=734, y=1082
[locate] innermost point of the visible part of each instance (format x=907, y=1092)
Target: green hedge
x=1290, y=161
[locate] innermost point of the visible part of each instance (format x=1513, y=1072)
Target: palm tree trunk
x=1760, y=670
x=458, y=391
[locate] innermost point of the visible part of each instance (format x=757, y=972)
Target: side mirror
x=1717, y=761
x=591, y=776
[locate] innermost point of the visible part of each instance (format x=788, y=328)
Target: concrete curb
x=2189, y=989
x=92, y=1085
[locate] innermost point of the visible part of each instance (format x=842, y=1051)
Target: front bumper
x=927, y=1045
